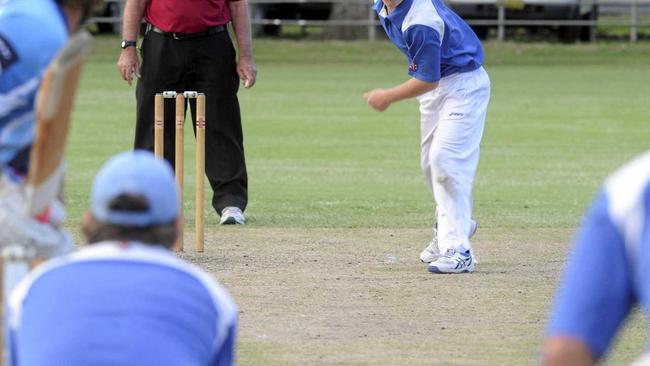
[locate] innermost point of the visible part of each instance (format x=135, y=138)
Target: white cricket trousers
x=452, y=118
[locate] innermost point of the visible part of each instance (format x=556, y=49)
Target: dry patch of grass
x=361, y=297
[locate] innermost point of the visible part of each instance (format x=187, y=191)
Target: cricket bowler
x=447, y=77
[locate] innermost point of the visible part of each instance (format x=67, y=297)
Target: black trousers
x=207, y=65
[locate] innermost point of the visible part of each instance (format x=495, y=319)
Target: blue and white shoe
x=431, y=252
x=453, y=262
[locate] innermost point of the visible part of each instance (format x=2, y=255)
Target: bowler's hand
x=247, y=70
x=129, y=64
x=378, y=99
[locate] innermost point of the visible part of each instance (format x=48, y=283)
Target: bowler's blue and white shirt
x=609, y=269
x=436, y=41
x=31, y=34
x=116, y=303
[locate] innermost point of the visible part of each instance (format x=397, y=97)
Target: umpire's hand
x=129, y=64
x=247, y=70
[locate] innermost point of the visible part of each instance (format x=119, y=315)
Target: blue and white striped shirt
x=31, y=33
x=116, y=303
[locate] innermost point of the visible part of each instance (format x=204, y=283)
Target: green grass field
x=332, y=179
x=560, y=118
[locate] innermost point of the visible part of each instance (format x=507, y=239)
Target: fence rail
x=628, y=14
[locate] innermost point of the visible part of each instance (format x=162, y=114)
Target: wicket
x=159, y=124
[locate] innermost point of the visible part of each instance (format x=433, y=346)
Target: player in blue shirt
x=126, y=299
x=445, y=65
x=32, y=32
x=607, y=272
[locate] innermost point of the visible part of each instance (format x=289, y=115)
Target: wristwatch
x=127, y=44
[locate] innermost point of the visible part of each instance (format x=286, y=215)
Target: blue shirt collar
x=398, y=14
x=379, y=5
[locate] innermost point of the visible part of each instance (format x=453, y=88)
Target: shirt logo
x=455, y=114
x=413, y=66
x=7, y=54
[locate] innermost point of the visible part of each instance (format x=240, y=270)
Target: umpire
x=187, y=47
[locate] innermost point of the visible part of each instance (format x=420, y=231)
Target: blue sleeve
x=226, y=354
x=596, y=293
x=21, y=59
x=423, y=44
x=8, y=54
x=31, y=34
x=25, y=54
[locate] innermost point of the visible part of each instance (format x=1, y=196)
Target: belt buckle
x=174, y=35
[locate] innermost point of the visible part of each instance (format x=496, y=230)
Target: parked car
x=531, y=10
x=109, y=9
x=289, y=11
x=467, y=9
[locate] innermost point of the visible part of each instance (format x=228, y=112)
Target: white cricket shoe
x=453, y=262
x=431, y=252
x=232, y=216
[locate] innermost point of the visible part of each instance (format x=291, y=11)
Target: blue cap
x=137, y=173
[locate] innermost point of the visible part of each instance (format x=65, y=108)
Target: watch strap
x=126, y=44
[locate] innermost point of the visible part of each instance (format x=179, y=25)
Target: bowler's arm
x=128, y=63
x=595, y=294
x=423, y=44
x=566, y=351
x=241, y=23
x=380, y=99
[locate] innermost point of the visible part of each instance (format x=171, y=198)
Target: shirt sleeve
x=596, y=293
x=423, y=52
x=225, y=355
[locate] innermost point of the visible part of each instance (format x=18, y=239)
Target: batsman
x=39, y=72
x=38, y=78
x=40, y=64
x=447, y=77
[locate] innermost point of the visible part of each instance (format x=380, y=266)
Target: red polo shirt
x=187, y=16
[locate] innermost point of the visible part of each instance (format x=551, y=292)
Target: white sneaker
x=232, y=216
x=431, y=252
x=453, y=262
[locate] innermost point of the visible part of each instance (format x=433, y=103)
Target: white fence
x=632, y=14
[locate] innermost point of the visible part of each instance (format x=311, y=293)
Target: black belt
x=212, y=30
